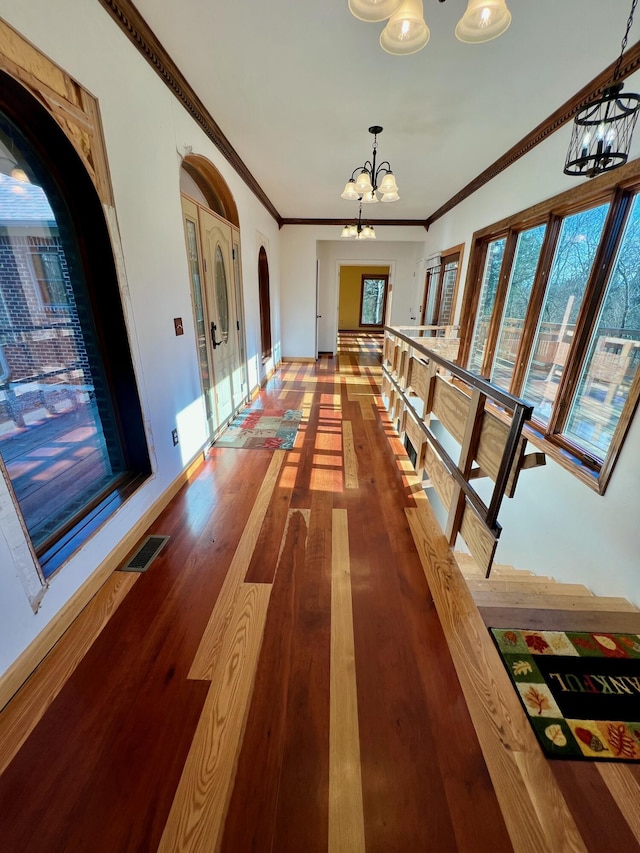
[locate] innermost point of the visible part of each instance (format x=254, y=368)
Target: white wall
x=303, y=245
x=555, y=525
x=146, y=130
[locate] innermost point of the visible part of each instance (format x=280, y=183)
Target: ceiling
x=295, y=85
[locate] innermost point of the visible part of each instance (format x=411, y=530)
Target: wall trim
x=141, y=35
x=565, y=113
x=293, y=359
x=20, y=670
x=418, y=223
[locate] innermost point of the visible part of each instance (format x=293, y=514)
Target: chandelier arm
x=385, y=167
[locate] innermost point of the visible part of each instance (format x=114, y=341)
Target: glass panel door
x=216, y=240
x=190, y=211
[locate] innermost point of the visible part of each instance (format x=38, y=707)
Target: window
x=570, y=271
x=222, y=297
x=440, y=288
x=523, y=273
x=552, y=314
x=71, y=430
x=488, y=291
x=49, y=276
x=372, y=300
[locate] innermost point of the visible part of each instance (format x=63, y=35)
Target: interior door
x=217, y=252
x=200, y=315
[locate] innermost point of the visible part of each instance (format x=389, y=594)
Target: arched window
x=71, y=431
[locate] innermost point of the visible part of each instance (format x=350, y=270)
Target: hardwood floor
x=302, y=668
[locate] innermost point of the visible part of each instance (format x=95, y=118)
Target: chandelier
x=602, y=130
x=358, y=230
x=407, y=32
x=372, y=181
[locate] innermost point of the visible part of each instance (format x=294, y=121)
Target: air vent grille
x=145, y=555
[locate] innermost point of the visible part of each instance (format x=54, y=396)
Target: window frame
x=619, y=190
x=374, y=277
x=434, y=276
x=42, y=288
x=83, y=182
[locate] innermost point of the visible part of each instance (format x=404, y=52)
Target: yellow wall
x=350, y=289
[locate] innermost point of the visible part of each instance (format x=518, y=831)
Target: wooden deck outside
x=301, y=669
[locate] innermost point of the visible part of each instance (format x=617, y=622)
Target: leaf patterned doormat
x=581, y=691
x=274, y=429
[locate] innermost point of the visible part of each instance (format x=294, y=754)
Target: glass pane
x=576, y=249
x=222, y=297
x=446, y=301
x=493, y=262
x=431, y=311
x=518, y=294
x=198, y=310
x=614, y=352
x=58, y=437
x=372, y=301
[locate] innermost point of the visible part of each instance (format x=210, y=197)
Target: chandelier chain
x=623, y=46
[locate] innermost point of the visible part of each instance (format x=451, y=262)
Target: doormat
x=581, y=691
x=274, y=429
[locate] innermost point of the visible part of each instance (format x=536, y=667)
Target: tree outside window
x=373, y=299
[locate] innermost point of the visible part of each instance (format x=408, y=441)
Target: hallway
x=279, y=679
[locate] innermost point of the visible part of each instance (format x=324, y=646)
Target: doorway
x=214, y=269
x=363, y=297
x=265, y=305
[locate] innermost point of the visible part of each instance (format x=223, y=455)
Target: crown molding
x=564, y=114
x=392, y=222
x=141, y=35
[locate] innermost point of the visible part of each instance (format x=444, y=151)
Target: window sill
x=591, y=477
x=54, y=557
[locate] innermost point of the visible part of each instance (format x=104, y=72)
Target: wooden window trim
x=455, y=253
x=374, y=277
x=618, y=189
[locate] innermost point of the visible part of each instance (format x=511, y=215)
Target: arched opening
x=213, y=249
x=265, y=304
x=212, y=186
x=68, y=386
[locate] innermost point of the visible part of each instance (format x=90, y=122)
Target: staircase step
x=517, y=576
x=529, y=600
x=553, y=602
x=527, y=585
x=561, y=620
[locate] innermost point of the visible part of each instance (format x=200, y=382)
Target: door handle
x=214, y=342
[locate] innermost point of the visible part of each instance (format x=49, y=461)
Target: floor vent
x=145, y=555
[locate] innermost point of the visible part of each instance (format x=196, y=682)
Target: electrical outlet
x=174, y=436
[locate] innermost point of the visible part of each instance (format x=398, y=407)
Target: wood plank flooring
x=301, y=669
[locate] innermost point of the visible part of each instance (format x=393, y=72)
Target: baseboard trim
x=294, y=359
x=20, y=670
